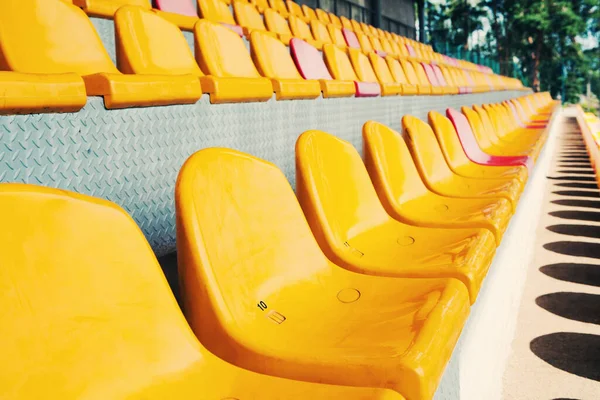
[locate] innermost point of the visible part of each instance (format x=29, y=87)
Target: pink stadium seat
x=411, y=50
x=472, y=149
x=183, y=7
x=351, y=39
x=311, y=65
x=439, y=75
x=433, y=79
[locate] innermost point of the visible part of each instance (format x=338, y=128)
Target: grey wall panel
x=132, y=156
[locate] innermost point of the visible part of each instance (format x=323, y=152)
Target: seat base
x=334, y=88
x=33, y=93
x=235, y=90
x=290, y=89
x=183, y=22
x=121, y=91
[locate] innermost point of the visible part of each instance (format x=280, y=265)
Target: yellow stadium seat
x=365, y=43
x=438, y=176
x=377, y=46
x=411, y=76
x=88, y=313
x=337, y=36
x=37, y=93
x=107, y=8
x=279, y=6
x=340, y=67
x=490, y=128
x=248, y=17
x=355, y=232
x=301, y=30
x=296, y=10
x=364, y=71
x=323, y=16
x=388, y=85
x=273, y=60
x=37, y=36
x=422, y=78
x=507, y=131
x=400, y=77
x=278, y=24
x=150, y=45
x=216, y=11
x=458, y=161
x=182, y=13
x=356, y=26
x=232, y=76
x=406, y=198
x=346, y=23
x=319, y=31
x=253, y=278
x=309, y=13
x=261, y=5
x=335, y=20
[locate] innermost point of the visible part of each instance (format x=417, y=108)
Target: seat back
x=356, y=27
x=362, y=66
x=260, y=242
x=465, y=131
x=338, y=63
x=86, y=309
x=337, y=36
x=248, y=16
x=300, y=29
x=409, y=70
x=221, y=52
x=396, y=70
x=216, y=11
x=390, y=165
x=279, y=6
x=323, y=16
x=319, y=31
x=149, y=44
x=387, y=46
x=411, y=50
x=271, y=57
x=376, y=44
x=421, y=75
x=335, y=20
x=448, y=139
x=308, y=60
x=439, y=75
x=309, y=13
x=351, y=38
x=489, y=124
x=183, y=7
x=334, y=188
x=276, y=23
x=477, y=128
x=365, y=43
x=431, y=77
x=425, y=150
x=346, y=23
x=294, y=9
x=38, y=36
x=381, y=68
x=104, y=8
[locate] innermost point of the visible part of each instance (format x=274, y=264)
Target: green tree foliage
x=543, y=35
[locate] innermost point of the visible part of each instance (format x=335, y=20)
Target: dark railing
x=398, y=27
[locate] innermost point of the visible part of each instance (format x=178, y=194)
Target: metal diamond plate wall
x=132, y=156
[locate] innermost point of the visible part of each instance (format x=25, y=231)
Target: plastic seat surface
x=253, y=278
x=231, y=74
x=471, y=144
x=301, y=30
x=309, y=13
x=37, y=93
x=350, y=38
x=438, y=176
x=459, y=162
x=384, y=76
x=218, y=11
x=36, y=36
x=274, y=61
x=279, y=6
x=103, y=297
x=320, y=32
x=411, y=76
x=107, y=8
x=334, y=19
x=423, y=79
x=323, y=16
x=149, y=44
x=354, y=230
x=406, y=198
x=400, y=77
x=341, y=68
x=337, y=36
x=311, y=66
x=277, y=24
x=295, y=9
x=248, y=17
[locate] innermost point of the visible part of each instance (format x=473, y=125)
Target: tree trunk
x=535, y=70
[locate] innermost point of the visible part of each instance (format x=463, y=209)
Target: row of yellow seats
x=330, y=295
x=156, y=66
x=589, y=124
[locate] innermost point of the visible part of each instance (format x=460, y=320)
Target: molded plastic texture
x=259, y=292
x=81, y=269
